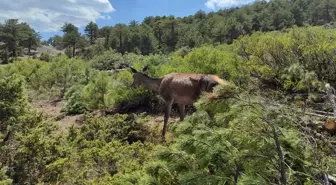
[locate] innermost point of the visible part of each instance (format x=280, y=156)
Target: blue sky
x=48, y=16
x=127, y=10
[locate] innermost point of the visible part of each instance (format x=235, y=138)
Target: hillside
x=75, y=115
x=48, y=49
x=271, y=122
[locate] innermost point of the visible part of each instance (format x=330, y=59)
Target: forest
x=72, y=117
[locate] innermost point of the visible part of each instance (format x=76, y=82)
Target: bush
x=52, y=78
x=104, y=150
x=75, y=102
x=68, y=52
x=140, y=100
x=183, y=51
x=13, y=101
x=245, y=134
x=45, y=57
x=123, y=127
x=270, y=55
x=107, y=61
x=98, y=93
x=4, y=180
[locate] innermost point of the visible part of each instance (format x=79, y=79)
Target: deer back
x=186, y=88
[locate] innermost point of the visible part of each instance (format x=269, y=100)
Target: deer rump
x=186, y=88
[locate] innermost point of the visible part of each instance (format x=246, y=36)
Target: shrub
x=97, y=94
x=127, y=99
x=270, y=55
x=52, y=78
x=140, y=100
x=183, y=51
x=68, y=52
x=45, y=57
x=4, y=179
x=123, y=127
x=107, y=61
x=13, y=102
x=75, y=102
x=249, y=134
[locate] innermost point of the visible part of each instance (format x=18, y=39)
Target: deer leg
x=168, y=108
x=182, y=110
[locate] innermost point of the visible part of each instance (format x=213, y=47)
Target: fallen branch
x=320, y=115
x=321, y=137
x=323, y=112
x=332, y=179
x=329, y=124
x=326, y=179
x=282, y=165
x=331, y=96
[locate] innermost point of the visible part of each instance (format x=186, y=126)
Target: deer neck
x=152, y=83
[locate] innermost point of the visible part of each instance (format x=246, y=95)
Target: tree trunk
x=29, y=46
x=160, y=40
x=91, y=36
x=73, y=50
x=120, y=43
x=14, y=52
x=107, y=39
x=6, y=56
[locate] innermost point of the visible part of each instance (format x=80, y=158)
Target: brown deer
x=181, y=88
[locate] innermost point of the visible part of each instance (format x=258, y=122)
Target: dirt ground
x=52, y=110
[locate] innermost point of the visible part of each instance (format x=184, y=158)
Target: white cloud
x=49, y=16
x=213, y=4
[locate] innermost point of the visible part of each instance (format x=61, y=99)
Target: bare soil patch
x=52, y=110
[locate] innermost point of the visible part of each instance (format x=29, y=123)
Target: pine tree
x=92, y=31
x=71, y=36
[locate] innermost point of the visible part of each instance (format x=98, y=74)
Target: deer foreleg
x=168, y=108
x=182, y=110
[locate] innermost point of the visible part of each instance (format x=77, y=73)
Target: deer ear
x=193, y=80
x=133, y=70
x=145, y=68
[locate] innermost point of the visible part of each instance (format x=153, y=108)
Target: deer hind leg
x=168, y=107
x=182, y=110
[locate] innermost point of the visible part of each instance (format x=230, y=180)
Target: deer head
x=205, y=83
x=138, y=76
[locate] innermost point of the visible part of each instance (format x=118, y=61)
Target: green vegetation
x=165, y=34
x=258, y=134
x=14, y=37
x=260, y=127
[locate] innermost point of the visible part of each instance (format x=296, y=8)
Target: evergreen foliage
x=255, y=128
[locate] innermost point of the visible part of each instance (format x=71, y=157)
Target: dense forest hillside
x=165, y=34
x=73, y=118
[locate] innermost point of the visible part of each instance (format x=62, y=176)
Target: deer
x=181, y=88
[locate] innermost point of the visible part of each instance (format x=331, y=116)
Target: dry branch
x=319, y=115
x=331, y=97
x=332, y=179
x=323, y=112
x=330, y=121
x=321, y=137
x=281, y=157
